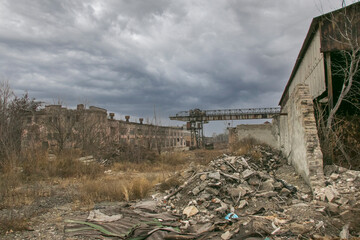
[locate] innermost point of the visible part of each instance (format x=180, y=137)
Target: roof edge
x=309, y=36
x=312, y=29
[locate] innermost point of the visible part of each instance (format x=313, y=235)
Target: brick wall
x=298, y=136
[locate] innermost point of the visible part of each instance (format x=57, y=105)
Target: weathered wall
x=311, y=70
x=266, y=133
x=298, y=136
x=77, y=127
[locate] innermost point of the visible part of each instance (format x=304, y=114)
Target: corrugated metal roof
x=135, y=223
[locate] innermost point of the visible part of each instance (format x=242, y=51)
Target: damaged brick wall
x=298, y=136
x=83, y=127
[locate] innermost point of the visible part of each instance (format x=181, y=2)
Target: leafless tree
x=344, y=36
x=12, y=112
x=89, y=131
x=60, y=125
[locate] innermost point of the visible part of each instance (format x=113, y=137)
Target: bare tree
x=89, y=130
x=344, y=36
x=60, y=125
x=12, y=112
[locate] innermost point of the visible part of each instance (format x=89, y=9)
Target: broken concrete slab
x=190, y=211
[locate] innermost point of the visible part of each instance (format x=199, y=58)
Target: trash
x=98, y=216
x=231, y=216
x=214, y=175
x=190, y=211
x=227, y=235
x=242, y=204
x=344, y=234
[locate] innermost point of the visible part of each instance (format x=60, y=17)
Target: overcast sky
x=131, y=56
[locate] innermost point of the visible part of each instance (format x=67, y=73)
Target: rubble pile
x=238, y=197
x=255, y=196
x=340, y=197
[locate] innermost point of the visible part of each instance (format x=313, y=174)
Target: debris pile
x=340, y=198
x=238, y=197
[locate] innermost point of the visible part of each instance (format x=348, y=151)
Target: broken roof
x=315, y=24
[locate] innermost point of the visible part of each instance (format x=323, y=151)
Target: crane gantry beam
x=196, y=118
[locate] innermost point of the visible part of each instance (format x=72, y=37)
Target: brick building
x=56, y=127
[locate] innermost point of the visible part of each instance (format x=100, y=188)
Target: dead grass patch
x=123, y=188
x=246, y=146
x=12, y=224
x=166, y=162
x=204, y=157
x=37, y=166
x=169, y=183
x=21, y=179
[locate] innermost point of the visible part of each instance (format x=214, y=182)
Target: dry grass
x=166, y=162
x=116, y=188
x=203, y=157
x=12, y=224
x=169, y=183
x=21, y=179
x=38, y=167
x=135, y=180
x=245, y=146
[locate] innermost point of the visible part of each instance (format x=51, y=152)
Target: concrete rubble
x=239, y=197
x=264, y=205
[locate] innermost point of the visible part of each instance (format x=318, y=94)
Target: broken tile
x=190, y=211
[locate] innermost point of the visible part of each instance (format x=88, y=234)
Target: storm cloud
x=133, y=56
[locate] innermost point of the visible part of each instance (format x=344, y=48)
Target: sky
x=154, y=57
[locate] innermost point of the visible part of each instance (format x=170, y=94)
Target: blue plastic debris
x=231, y=215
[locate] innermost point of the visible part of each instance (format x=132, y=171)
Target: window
x=112, y=131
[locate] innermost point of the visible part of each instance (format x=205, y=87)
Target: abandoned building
x=56, y=127
x=317, y=77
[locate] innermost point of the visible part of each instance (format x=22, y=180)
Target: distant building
x=55, y=128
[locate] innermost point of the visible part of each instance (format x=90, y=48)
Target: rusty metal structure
x=196, y=119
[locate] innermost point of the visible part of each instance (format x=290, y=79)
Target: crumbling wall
x=265, y=133
x=298, y=136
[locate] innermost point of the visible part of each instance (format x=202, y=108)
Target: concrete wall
x=265, y=133
x=298, y=136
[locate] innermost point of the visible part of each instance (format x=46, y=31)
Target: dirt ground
x=44, y=218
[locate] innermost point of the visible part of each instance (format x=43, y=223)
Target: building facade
x=56, y=127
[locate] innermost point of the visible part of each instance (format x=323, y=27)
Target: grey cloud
x=129, y=56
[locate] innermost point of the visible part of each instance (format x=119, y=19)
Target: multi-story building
x=55, y=127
